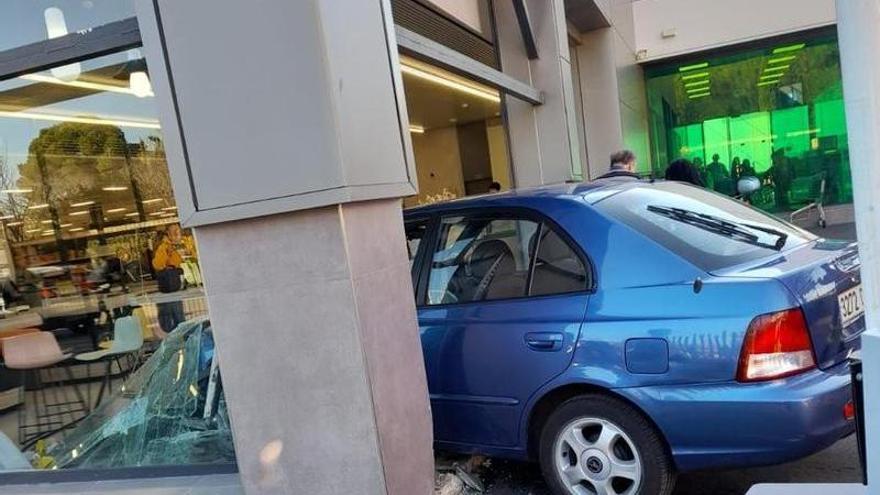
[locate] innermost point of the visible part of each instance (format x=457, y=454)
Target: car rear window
x=708, y=250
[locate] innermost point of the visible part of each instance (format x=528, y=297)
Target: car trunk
x=817, y=274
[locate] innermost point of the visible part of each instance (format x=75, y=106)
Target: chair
x=128, y=338
x=34, y=353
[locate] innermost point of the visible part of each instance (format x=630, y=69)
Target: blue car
x=621, y=332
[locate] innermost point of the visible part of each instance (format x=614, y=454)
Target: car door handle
x=544, y=341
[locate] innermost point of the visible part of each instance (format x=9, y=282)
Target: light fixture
x=149, y=201
x=781, y=60
x=52, y=117
x=789, y=48
x=82, y=203
x=140, y=85
x=776, y=68
x=687, y=68
x=768, y=83
x=47, y=233
x=416, y=129
x=169, y=208
x=699, y=95
x=428, y=73
x=80, y=84
x=157, y=213
x=76, y=229
x=46, y=221
x=31, y=231
x=116, y=210
x=114, y=188
x=78, y=213
x=14, y=224
x=132, y=214
x=17, y=191
x=38, y=207
x=65, y=225
x=697, y=90
x=56, y=27
x=698, y=75
x=771, y=76
x=7, y=217
x=694, y=84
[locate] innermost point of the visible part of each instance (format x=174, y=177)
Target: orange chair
x=35, y=353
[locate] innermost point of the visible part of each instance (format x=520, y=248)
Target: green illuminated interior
x=780, y=107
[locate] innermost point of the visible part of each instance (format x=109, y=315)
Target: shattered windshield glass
x=170, y=411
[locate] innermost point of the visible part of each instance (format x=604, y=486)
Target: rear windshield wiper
x=742, y=232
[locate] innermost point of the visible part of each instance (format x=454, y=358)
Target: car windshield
x=709, y=230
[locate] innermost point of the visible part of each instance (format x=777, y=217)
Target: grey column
x=319, y=350
x=857, y=22
x=543, y=139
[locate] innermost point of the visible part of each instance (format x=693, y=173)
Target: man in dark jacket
x=623, y=165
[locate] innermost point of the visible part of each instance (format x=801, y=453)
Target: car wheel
x=598, y=445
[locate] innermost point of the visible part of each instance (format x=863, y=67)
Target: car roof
x=583, y=192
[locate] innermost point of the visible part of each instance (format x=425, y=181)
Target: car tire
x=619, y=452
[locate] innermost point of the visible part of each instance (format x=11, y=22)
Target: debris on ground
x=459, y=475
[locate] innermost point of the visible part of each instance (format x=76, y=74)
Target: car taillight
x=776, y=345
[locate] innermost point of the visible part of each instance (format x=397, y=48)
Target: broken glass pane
x=170, y=411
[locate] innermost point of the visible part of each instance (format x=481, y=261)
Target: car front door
x=502, y=299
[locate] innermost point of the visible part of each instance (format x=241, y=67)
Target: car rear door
x=503, y=302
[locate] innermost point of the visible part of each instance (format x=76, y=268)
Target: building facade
x=121, y=129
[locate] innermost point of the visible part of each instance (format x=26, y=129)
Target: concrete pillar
x=859, y=39
x=543, y=139
x=601, y=98
x=319, y=350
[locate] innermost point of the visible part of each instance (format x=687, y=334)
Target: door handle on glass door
x=544, y=341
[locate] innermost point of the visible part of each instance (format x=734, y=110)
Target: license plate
x=851, y=304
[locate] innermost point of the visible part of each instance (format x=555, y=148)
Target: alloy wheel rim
x=594, y=456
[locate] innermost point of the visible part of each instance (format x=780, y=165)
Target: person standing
x=623, y=165
x=170, y=255
x=682, y=170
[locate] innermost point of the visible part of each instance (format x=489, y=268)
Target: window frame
x=79, y=46
x=416, y=272
x=497, y=213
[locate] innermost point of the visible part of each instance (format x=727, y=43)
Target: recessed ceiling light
x=114, y=188
x=116, y=210
x=14, y=224
x=132, y=214
x=76, y=229
x=81, y=204
x=38, y=207
x=17, y=191
x=46, y=221
x=154, y=200
x=416, y=129
x=453, y=120
x=7, y=217
x=79, y=213
x=465, y=105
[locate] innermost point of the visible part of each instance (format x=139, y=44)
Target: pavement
x=837, y=464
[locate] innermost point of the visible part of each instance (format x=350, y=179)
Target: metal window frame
x=429, y=50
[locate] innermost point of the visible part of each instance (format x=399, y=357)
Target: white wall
x=705, y=24
x=612, y=91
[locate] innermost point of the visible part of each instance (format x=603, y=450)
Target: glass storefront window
x=95, y=267
x=774, y=112
x=30, y=21
x=459, y=139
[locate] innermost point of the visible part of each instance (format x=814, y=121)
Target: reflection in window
x=774, y=113
x=106, y=348
x=30, y=21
